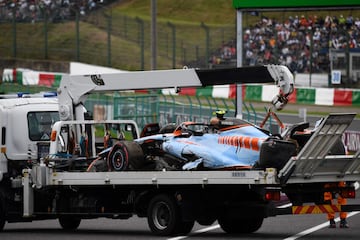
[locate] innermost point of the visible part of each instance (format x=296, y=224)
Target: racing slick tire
x=240, y=225
x=164, y=217
x=69, y=223
x=275, y=153
x=125, y=155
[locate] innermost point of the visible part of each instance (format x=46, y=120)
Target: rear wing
x=313, y=164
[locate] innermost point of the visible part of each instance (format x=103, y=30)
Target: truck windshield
x=40, y=124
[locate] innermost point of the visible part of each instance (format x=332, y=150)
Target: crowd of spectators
x=56, y=10
x=298, y=42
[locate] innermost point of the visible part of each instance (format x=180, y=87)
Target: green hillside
x=217, y=12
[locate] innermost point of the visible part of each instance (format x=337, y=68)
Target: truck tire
x=69, y=223
x=125, y=155
x=240, y=225
x=164, y=217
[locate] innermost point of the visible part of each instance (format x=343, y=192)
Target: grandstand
x=302, y=43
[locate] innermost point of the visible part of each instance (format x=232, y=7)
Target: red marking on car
x=242, y=142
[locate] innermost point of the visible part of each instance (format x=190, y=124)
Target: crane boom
x=74, y=88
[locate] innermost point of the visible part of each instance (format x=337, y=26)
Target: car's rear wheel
x=125, y=155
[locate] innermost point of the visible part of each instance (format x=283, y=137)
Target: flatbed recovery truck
x=170, y=200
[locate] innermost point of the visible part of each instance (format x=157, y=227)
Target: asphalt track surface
x=280, y=227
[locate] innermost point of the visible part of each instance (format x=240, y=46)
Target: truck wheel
x=125, y=155
x=69, y=223
x=164, y=217
x=242, y=225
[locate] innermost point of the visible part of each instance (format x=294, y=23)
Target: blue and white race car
x=222, y=144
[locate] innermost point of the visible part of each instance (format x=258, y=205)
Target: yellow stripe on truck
x=315, y=209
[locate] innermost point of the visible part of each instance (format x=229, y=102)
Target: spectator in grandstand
x=34, y=10
x=342, y=21
x=296, y=41
x=357, y=23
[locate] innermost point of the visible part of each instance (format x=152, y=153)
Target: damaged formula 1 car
x=222, y=144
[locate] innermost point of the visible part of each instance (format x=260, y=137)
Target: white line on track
x=197, y=232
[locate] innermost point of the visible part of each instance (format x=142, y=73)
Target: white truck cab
x=24, y=123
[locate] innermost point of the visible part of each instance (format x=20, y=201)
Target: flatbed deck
x=156, y=178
